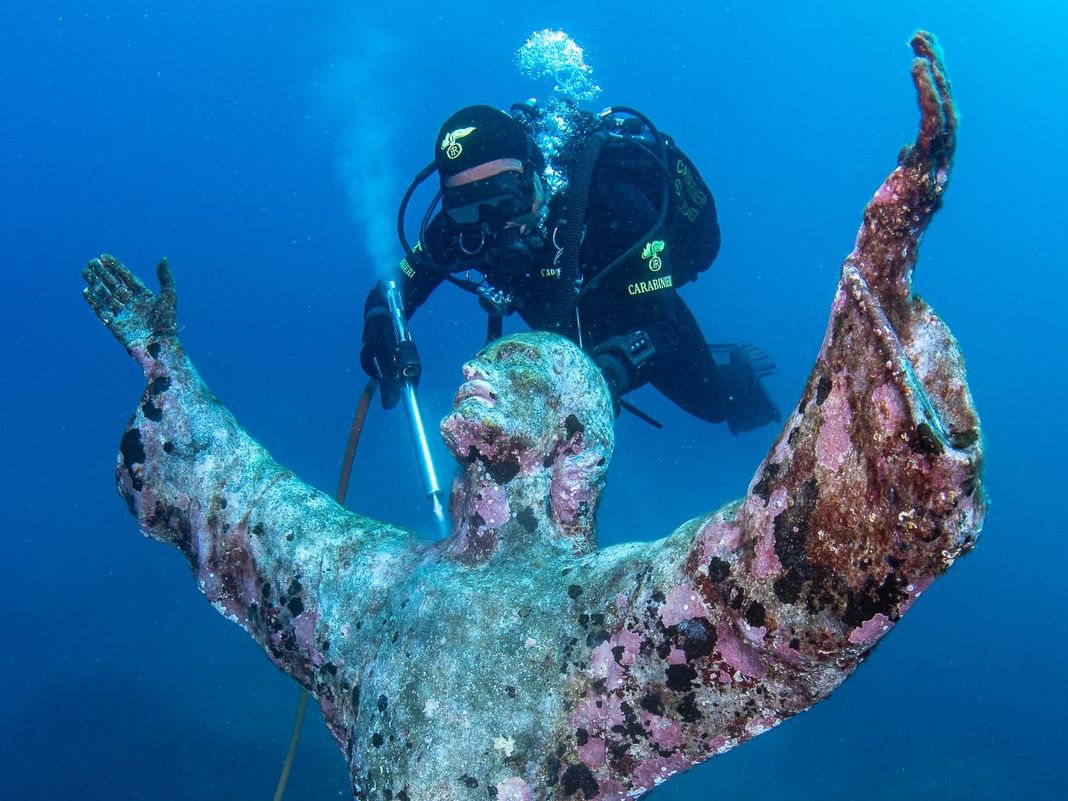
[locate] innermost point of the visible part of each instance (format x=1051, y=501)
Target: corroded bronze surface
x=514, y=660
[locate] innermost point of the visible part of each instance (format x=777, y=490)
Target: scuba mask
x=493, y=201
x=494, y=214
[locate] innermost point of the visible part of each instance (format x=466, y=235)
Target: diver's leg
x=685, y=371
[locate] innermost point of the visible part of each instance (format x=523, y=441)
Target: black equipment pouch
x=690, y=194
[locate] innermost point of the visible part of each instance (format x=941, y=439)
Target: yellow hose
x=294, y=738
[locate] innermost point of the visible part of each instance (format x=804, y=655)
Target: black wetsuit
x=638, y=295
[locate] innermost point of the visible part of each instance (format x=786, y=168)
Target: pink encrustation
x=515, y=660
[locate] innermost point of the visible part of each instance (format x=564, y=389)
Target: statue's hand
x=937, y=138
x=133, y=313
x=899, y=213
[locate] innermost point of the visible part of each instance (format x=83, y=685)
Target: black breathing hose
x=660, y=159
x=573, y=229
x=423, y=174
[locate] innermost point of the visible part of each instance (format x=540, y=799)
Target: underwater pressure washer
x=407, y=371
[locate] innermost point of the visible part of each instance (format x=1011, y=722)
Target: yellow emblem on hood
x=449, y=144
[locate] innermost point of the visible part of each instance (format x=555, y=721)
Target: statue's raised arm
x=275, y=555
x=513, y=660
x=748, y=616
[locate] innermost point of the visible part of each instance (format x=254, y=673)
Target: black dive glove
x=620, y=358
x=749, y=406
x=615, y=376
x=382, y=359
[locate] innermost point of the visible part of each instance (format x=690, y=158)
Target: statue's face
x=529, y=400
x=534, y=405
x=509, y=405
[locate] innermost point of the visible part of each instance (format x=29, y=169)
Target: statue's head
x=535, y=402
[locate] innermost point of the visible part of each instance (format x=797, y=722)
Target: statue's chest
x=465, y=679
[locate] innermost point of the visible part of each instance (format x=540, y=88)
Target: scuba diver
x=591, y=240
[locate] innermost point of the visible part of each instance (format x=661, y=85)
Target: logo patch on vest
x=651, y=253
x=451, y=146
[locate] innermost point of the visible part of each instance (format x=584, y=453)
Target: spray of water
x=357, y=93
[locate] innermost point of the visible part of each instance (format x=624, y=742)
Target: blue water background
x=230, y=137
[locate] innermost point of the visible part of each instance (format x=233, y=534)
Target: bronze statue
x=514, y=660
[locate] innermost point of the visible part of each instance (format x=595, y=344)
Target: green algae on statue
x=515, y=660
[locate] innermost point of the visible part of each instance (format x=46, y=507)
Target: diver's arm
x=744, y=617
x=628, y=302
x=270, y=552
x=416, y=277
x=416, y=284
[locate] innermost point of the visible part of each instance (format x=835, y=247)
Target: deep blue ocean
x=263, y=148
